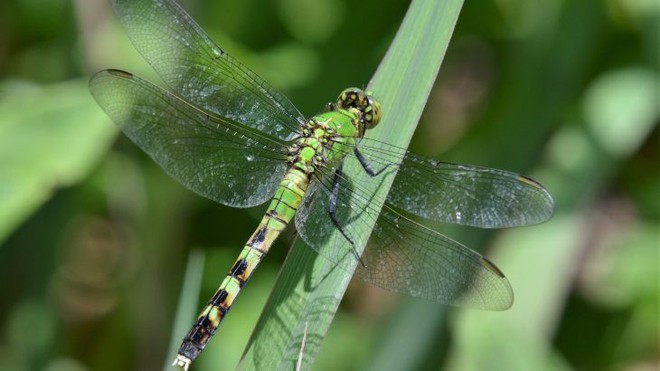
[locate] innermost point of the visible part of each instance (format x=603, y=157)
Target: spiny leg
x=365, y=164
x=332, y=207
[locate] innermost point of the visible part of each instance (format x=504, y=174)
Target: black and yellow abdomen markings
x=281, y=211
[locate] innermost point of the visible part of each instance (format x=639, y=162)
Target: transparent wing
x=460, y=194
x=407, y=257
x=195, y=68
x=401, y=255
x=216, y=157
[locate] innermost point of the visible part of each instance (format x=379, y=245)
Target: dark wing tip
x=549, y=203
x=119, y=73
x=112, y=73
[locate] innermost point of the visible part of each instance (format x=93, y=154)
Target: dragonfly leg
x=332, y=207
x=365, y=164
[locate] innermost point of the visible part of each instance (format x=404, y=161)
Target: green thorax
x=325, y=139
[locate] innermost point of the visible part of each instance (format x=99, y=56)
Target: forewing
x=195, y=68
x=460, y=194
x=213, y=156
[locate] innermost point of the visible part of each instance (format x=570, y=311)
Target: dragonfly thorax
x=324, y=139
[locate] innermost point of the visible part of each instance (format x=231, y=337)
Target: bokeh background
x=95, y=238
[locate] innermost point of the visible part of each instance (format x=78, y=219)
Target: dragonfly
x=226, y=134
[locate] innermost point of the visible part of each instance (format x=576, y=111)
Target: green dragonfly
x=224, y=133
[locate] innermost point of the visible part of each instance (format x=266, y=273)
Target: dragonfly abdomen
x=217, y=308
x=280, y=212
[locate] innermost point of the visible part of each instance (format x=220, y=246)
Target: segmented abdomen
x=280, y=212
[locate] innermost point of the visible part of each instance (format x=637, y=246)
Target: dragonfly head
x=364, y=103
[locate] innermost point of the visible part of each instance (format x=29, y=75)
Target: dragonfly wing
x=407, y=257
x=401, y=255
x=216, y=157
x=461, y=194
x=195, y=68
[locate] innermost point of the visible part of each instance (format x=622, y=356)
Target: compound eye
x=371, y=113
x=352, y=97
x=364, y=103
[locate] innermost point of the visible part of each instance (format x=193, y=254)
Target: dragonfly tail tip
x=182, y=362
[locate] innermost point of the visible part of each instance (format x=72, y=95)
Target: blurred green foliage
x=95, y=238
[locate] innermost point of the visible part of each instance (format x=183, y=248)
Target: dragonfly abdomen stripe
x=280, y=212
x=217, y=308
